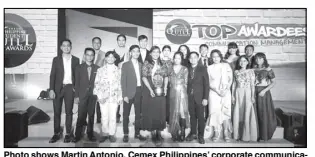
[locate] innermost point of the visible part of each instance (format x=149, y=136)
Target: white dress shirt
x=67, y=79
x=136, y=66
x=143, y=53
x=96, y=55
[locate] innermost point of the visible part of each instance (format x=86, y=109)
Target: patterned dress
x=154, y=108
x=178, y=99
x=244, y=115
x=267, y=121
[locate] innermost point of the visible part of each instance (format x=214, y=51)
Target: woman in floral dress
x=155, y=79
x=243, y=95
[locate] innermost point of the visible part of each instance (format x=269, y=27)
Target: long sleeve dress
x=178, y=99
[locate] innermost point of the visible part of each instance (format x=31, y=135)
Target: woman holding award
x=155, y=78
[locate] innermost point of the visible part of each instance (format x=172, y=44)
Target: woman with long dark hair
x=265, y=80
x=155, y=78
x=186, y=51
x=179, y=115
x=243, y=95
x=232, y=54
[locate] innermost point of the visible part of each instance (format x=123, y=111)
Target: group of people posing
x=229, y=95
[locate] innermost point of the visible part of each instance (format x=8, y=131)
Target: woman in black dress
x=155, y=79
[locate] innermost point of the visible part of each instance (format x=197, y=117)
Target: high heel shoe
x=182, y=129
x=217, y=134
x=211, y=131
x=227, y=135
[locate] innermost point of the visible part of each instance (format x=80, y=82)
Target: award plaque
x=158, y=84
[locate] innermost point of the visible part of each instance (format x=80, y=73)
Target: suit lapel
x=147, y=56
x=92, y=77
x=195, y=73
x=200, y=62
x=140, y=67
x=62, y=67
x=98, y=58
x=72, y=68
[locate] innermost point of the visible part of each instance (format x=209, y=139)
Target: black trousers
x=66, y=94
x=98, y=112
x=136, y=100
x=86, y=107
x=196, y=112
x=206, y=112
x=118, y=114
x=168, y=104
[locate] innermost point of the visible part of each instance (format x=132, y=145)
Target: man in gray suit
x=99, y=60
x=131, y=91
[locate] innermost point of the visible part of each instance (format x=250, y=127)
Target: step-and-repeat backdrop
x=279, y=33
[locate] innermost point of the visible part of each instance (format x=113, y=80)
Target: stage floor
x=39, y=134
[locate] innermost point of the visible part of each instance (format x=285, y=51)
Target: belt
x=63, y=85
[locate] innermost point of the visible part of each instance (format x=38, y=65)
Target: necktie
x=89, y=71
x=192, y=75
x=205, y=62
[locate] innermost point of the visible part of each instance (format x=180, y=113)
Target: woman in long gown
x=265, y=78
x=179, y=115
x=220, y=78
x=154, y=76
x=243, y=93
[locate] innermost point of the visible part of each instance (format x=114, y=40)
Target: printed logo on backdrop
x=178, y=31
x=19, y=40
x=255, y=34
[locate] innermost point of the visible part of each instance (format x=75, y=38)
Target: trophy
x=158, y=83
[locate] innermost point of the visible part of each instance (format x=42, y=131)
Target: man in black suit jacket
x=205, y=62
x=84, y=85
x=198, y=93
x=144, y=53
x=131, y=86
x=62, y=81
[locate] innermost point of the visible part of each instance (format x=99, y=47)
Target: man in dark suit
x=131, y=91
x=205, y=62
x=62, y=81
x=144, y=52
x=99, y=60
x=249, y=52
x=84, y=85
x=198, y=93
